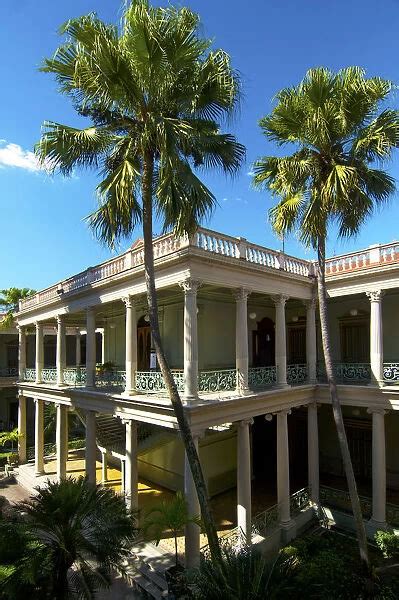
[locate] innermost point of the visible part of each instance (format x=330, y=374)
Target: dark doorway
x=263, y=344
x=264, y=449
x=143, y=345
x=298, y=449
x=360, y=445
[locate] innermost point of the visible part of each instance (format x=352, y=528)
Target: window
x=355, y=340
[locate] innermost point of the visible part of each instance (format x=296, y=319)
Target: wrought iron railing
x=340, y=499
x=266, y=522
x=358, y=373
x=49, y=375
x=234, y=538
x=51, y=448
x=299, y=500
x=112, y=378
x=75, y=375
x=151, y=382
x=297, y=374
x=9, y=372
x=391, y=372
x=262, y=377
x=29, y=374
x=217, y=381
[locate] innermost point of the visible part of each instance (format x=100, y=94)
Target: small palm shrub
x=75, y=533
x=388, y=543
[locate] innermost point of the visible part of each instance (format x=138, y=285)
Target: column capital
x=89, y=309
x=285, y=411
x=21, y=328
x=378, y=410
x=127, y=421
x=190, y=286
x=38, y=325
x=245, y=422
x=375, y=295
x=241, y=294
x=130, y=301
x=310, y=304
x=60, y=319
x=279, y=299
x=77, y=331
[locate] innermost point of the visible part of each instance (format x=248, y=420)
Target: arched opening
x=263, y=344
x=143, y=344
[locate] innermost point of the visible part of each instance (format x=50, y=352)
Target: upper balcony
x=220, y=249
x=204, y=243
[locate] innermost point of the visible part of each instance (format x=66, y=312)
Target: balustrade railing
x=262, y=377
x=51, y=448
x=9, y=372
x=217, y=381
x=297, y=374
x=357, y=373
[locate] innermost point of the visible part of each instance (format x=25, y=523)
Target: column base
x=39, y=473
x=129, y=392
x=373, y=526
x=244, y=391
x=288, y=531
x=282, y=385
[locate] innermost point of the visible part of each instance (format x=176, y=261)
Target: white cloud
x=12, y=155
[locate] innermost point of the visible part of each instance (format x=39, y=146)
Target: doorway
x=263, y=344
x=143, y=345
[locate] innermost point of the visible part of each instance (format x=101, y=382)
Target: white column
x=91, y=449
x=190, y=288
x=103, y=346
x=61, y=349
x=376, y=336
x=78, y=351
x=131, y=345
x=241, y=297
x=22, y=428
x=379, y=467
x=283, y=468
x=61, y=441
x=39, y=437
x=39, y=352
x=123, y=476
x=131, y=472
x=21, y=352
x=104, y=466
x=244, y=501
x=313, y=453
x=192, y=531
x=311, y=343
x=281, y=342
x=90, y=347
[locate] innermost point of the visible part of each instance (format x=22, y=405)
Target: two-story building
x=8, y=377
x=240, y=329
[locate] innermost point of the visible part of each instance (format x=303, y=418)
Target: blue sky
x=272, y=43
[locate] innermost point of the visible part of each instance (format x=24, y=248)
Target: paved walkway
x=12, y=491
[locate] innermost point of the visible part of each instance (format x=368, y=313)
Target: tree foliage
x=9, y=303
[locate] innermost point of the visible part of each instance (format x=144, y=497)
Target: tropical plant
x=81, y=533
x=388, y=543
x=155, y=94
x=247, y=575
x=170, y=515
x=9, y=436
x=9, y=302
x=339, y=135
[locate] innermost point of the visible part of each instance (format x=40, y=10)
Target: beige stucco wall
x=164, y=463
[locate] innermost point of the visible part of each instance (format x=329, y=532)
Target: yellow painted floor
x=150, y=495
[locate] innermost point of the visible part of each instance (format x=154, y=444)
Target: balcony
x=9, y=372
x=152, y=382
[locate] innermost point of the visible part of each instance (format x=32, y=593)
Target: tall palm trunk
x=336, y=406
x=191, y=451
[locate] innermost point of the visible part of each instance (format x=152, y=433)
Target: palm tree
x=339, y=134
x=170, y=515
x=155, y=95
x=9, y=301
x=82, y=531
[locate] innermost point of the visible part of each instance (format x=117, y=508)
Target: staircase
x=111, y=434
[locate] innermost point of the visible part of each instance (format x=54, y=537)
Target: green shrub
x=388, y=543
